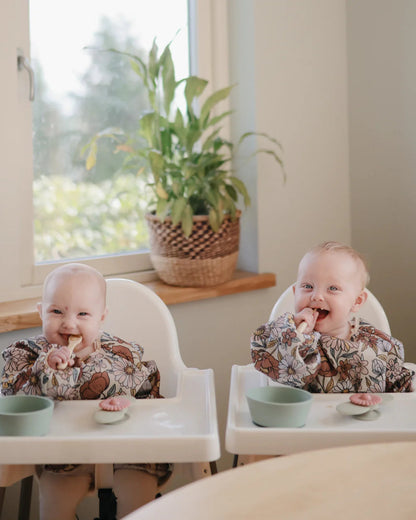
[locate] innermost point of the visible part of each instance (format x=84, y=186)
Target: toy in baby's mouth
x=73, y=341
x=55, y=355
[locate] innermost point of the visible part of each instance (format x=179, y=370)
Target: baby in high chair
x=100, y=367
x=320, y=347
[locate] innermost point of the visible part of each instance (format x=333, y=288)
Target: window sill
x=22, y=314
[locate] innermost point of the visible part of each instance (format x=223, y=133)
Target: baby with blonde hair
x=101, y=366
x=338, y=247
x=323, y=346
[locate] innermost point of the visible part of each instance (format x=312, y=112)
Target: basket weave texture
x=204, y=258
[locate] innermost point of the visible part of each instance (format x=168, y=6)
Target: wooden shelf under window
x=22, y=314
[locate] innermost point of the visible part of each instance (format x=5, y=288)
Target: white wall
x=301, y=98
x=382, y=92
x=289, y=59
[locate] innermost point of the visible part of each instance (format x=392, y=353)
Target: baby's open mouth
x=322, y=313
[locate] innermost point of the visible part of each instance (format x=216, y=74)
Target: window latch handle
x=24, y=63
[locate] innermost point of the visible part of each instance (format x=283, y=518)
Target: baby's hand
x=307, y=315
x=60, y=357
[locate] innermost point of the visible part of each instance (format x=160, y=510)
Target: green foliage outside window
x=78, y=214
x=81, y=219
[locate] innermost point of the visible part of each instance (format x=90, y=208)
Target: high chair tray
x=156, y=430
x=325, y=426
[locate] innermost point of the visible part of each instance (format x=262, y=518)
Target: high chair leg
x=242, y=460
x=104, y=478
x=2, y=492
x=213, y=467
x=203, y=469
x=107, y=504
x=25, y=498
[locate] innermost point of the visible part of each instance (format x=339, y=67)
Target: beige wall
x=382, y=90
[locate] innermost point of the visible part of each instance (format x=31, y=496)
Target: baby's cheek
x=298, y=306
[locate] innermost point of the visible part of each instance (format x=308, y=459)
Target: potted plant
x=194, y=217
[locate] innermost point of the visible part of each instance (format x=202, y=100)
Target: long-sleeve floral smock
x=371, y=361
x=114, y=368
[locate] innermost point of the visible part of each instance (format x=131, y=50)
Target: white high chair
x=324, y=427
x=183, y=425
x=137, y=314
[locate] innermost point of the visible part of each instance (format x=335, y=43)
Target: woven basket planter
x=203, y=259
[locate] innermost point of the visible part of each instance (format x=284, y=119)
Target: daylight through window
x=81, y=90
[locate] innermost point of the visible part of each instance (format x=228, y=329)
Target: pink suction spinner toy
x=362, y=406
x=112, y=409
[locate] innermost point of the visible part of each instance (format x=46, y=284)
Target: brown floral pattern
x=95, y=387
x=116, y=368
x=370, y=361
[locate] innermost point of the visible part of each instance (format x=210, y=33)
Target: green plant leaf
x=92, y=155
x=178, y=207
x=275, y=156
x=166, y=142
x=212, y=196
x=215, y=120
x=212, y=100
x=161, y=192
x=187, y=220
x=153, y=64
x=139, y=68
x=193, y=135
x=194, y=87
x=260, y=134
x=213, y=220
x=162, y=208
x=241, y=187
x=231, y=192
x=147, y=124
x=157, y=163
x=210, y=140
x=168, y=79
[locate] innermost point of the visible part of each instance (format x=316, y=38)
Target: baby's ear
x=360, y=300
x=39, y=308
x=104, y=315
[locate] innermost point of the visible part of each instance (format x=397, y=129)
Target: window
x=82, y=90
x=20, y=275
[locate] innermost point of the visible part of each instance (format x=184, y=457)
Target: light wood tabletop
x=372, y=481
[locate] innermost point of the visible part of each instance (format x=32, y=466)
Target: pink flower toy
x=115, y=404
x=113, y=409
x=363, y=406
x=365, y=399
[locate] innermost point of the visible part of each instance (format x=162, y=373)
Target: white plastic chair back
x=135, y=313
x=371, y=311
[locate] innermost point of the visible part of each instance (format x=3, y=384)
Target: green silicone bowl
x=25, y=415
x=279, y=406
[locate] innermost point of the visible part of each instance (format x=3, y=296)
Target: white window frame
x=19, y=276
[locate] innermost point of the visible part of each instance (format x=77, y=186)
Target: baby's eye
x=83, y=314
x=307, y=286
x=333, y=288
x=56, y=311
